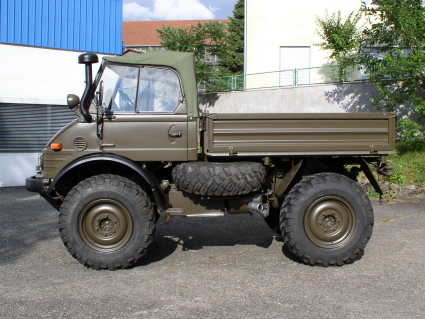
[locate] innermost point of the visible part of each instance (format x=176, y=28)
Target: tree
x=203, y=39
x=392, y=47
x=394, y=52
x=232, y=55
x=343, y=39
x=225, y=40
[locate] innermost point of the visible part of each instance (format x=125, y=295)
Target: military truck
x=140, y=150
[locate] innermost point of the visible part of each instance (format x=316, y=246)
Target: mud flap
x=372, y=180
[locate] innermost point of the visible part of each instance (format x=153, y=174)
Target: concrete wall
x=335, y=98
x=327, y=98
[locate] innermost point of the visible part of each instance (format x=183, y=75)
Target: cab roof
x=182, y=62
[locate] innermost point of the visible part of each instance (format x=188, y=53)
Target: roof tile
x=137, y=33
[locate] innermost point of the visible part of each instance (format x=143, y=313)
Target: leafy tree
x=225, y=40
x=203, y=39
x=232, y=54
x=343, y=39
x=392, y=46
x=398, y=36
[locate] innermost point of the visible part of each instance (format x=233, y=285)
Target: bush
x=411, y=132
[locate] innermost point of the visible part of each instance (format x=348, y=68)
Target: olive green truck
x=140, y=150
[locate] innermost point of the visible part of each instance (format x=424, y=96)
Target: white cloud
x=134, y=12
x=213, y=9
x=168, y=10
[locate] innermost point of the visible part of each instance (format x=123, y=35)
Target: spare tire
x=219, y=179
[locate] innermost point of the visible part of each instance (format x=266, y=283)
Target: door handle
x=175, y=135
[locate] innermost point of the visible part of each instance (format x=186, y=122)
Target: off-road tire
x=219, y=179
x=326, y=220
x=107, y=222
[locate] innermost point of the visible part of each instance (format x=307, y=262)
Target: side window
x=159, y=90
x=120, y=88
x=125, y=92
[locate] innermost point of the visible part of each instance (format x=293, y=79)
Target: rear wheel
x=326, y=219
x=107, y=222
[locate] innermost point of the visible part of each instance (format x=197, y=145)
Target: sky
x=153, y=10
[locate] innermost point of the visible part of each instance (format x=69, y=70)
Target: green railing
x=284, y=78
x=226, y=83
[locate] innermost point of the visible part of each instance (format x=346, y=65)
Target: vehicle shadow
x=356, y=98
x=28, y=220
x=290, y=255
x=193, y=234
x=353, y=97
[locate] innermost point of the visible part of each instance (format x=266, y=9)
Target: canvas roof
x=182, y=62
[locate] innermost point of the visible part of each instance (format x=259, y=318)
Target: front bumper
x=39, y=185
x=34, y=184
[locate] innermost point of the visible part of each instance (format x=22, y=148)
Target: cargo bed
x=299, y=134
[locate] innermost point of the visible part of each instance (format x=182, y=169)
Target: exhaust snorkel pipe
x=88, y=59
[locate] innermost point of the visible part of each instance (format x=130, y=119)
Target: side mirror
x=72, y=100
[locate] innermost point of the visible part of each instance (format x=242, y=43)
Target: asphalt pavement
x=228, y=267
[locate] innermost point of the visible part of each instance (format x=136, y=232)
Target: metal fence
x=286, y=78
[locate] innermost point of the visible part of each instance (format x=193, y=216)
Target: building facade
x=40, y=42
x=141, y=36
x=281, y=35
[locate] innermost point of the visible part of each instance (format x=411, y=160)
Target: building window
x=369, y=4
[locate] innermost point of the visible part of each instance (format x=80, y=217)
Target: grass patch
x=409, y=163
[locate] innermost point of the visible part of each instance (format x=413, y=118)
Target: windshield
x=139, y=89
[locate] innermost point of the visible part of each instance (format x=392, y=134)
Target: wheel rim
x=330, y=222
x=105, y=225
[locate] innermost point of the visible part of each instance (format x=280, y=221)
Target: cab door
x=146, y=118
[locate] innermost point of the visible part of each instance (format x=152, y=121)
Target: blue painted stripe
x=18, y=22
x=51, y=24
x=3, y=21
x=63, y=26
x=25, y=22
x=31, y=22
x=45, y=23
x=38, y=31
x=106, y=36
x=57, y=24
x=11, y=17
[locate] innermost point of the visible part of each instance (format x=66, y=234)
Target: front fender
x=158, y=193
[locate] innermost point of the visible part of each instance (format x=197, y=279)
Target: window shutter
x=29, y=127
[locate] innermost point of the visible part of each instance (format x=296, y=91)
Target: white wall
x=33, y=75
x=16, y=167
x=273, y=24
x=30, y=75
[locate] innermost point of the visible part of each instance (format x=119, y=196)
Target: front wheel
x=107, y=222
x=326, y=219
